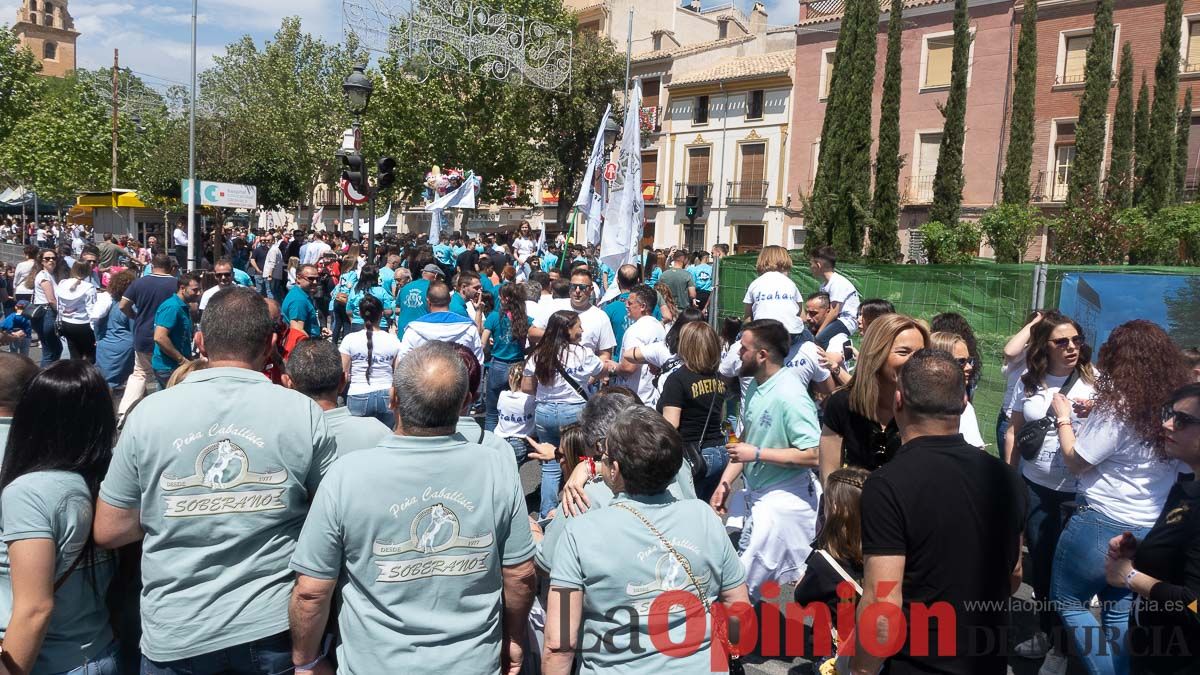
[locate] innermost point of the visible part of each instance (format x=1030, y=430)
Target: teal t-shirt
x=354, y=297
x=458, y=304
x=632, y=568
x=57, y=505
x=487, y=285
x=222, y=468
x=444, y=254
x=174, y=315
x=298, y=306
x=354, y=433
x=778, y=413
x=241, y=278
x=618, y=316
x=702, y=275
x=504, y=347
x=411, y=303
x=417, y=531
x=387, y=277
x=549, y=261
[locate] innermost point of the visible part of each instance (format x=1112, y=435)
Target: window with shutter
x=700, y=110
x=697, y=166
x=827, y=73
x=750, y=188
x=650, y=93
x=1192, y=59
x=940, y=52
x=1075, y=61
x=1064, y=157
x=754, y=105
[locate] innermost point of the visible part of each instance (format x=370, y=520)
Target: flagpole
x=628, y=51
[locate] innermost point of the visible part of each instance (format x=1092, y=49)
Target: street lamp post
x=357, y=89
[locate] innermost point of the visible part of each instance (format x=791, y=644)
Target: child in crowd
x=17, y=328
x=515, y=409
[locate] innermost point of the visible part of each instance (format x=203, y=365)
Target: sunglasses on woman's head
x=1077, y=340
x=1182, y=420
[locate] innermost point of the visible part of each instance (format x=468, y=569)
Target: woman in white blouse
x=76, y=309
x=773, y=295
x=45, y=303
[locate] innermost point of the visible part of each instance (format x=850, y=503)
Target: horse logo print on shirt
x=221, y=467
x=435, y=530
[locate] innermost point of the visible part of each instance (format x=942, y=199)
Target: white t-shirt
x=180, y=237
x=385, y=347
x=597, y=329
x=515, y=411
x=1048, y=469
x=841, y=290
x=580, y=363
x=20, y=273
x=804, y=360
x=1128, y=481
x=774, y=296
x=523, y=248
x=645, y=331
x=968, y=426
x=208, y=295
x=39, y=293
x=1012, y=371
x=75, y=305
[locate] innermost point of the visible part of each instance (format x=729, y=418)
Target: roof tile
x=740, y=68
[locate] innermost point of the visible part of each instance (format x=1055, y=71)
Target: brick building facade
x=47, y=29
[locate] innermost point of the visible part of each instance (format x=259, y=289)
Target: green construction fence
x=995, y=299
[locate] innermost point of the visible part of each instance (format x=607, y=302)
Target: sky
x=154, y=37
x=1123, y=297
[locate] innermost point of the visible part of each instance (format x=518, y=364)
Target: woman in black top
x=1163, y=569
x=858, y=429
x=693, y=401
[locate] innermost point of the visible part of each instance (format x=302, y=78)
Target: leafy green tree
x=1093, y=105
x=885, y=204
x=951, y=245
x=1010, y=229
x=1141, y=140
x=19, y=82
x=948, y=181
x=1120, y=168
x=1159, y=188
x=1019, y=159
x=1181, y=146
x=840, y=204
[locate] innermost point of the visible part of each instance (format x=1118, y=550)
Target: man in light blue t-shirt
x=314, y=368
x=427, y=534
x=214, y=476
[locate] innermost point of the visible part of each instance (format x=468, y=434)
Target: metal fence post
x=714, y=299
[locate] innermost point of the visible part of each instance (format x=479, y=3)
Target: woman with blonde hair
x=773, y=295
x=858, y=428
x=954, y=345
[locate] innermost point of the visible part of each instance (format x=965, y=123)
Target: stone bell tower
x=47, y=29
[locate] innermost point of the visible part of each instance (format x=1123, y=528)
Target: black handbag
x=1033, y=433
x=691, y=449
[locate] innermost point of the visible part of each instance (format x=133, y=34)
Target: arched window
x=32, y=5
x=48, y=11
x=50, y=51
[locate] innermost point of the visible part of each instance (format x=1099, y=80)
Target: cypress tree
x=1181, y=145
x=1119, y=189
x=885, y=206
x=948, y=180
x=1159, y=187
x=1089, y=129
x=1019, y=159
x=841, y=196
x=1141, y=140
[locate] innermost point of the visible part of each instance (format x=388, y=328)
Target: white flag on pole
x=316, y=218
x=594, y=160
x=595, y=213
x=623, y=218
x=462, y=198
x=380, y=222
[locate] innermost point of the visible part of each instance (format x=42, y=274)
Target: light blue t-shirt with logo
x=410, y=303
x=222, y=468
x=417, y=530
x=778, y=413
x=633, y=568
x=702, y=275
x=57, y=505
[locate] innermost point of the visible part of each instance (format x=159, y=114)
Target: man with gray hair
x=314, y=368
x=426, y=505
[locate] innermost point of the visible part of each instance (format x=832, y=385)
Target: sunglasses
x=963, y=363
x=49, y=258
x=224, y=275
x=581, y=287
x=308, y=278
x=1077, y=340
x=1181, y=419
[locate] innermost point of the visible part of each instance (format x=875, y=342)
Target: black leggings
x=80, y=340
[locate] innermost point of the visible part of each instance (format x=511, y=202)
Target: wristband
x=591, y=467
x=757, y=453
x=1063, y=422
x=310, y=665
x=1129, y=578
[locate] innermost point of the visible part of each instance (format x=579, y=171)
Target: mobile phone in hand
x=848, y=351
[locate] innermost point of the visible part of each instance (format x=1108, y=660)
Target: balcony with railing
x=1192, y=64
x=1069, y=78
x=919, y=189
x=685, y=190
x=747, y=193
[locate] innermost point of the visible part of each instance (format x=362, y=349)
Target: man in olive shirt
x=214, y=476
x=314, y=368
x=432, y=542
x=680, y=281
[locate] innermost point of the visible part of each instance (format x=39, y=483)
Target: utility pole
x=628, y=51
x=191, y=219
x=115, y=88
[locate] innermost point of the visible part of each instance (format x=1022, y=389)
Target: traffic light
x=694, y=204
x=354, y=173
x=387, y=173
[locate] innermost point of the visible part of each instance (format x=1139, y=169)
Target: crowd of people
x=327, y=475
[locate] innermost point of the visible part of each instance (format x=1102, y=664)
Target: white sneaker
x=1055, y=663
x=1034, y=648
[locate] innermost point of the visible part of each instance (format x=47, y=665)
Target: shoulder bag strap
x=66, y=575
x=570, y=380
x=1065, y=389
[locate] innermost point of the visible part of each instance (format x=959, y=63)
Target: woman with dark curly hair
x=1124, y=479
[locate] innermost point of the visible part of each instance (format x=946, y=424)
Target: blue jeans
x=1078, y=575
x=48, y=336
x=717, y=458
x=1043, y=526
x=103, y=663
x=19, y=346
x=835, y=327
x=1001, y=429
x=497, y=381
x=161, y=376
x=548, y=420
x=520, y=449
x=267, y=656
x=372, y=404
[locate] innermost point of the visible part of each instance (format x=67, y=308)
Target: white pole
x=628, y=51
x=191, y=246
